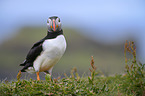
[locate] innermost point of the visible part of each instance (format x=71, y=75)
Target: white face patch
x=58, y=23
x=49, y=24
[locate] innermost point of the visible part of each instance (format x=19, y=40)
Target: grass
x=132, y=83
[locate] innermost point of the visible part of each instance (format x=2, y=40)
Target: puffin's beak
x=54, y=25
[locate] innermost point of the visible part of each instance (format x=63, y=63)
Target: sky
x=107, y=21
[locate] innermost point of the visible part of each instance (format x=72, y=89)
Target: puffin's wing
x=34, y=51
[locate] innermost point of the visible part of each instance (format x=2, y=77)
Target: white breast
x=53, y=49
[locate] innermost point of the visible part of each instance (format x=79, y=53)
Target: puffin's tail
x=26, y=66
x=23, y=64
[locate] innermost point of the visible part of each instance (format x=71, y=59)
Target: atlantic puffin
x=45, y=53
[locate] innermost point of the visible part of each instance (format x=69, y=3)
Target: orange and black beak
x=54, y=26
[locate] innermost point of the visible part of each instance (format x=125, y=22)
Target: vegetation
x=132, y=83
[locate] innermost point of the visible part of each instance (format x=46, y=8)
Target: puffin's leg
x=50, y=71
x=38, y=78
x=48, y=74
x=19, y=75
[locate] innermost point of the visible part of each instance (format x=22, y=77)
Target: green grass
x=74, y=86
x=132, y=83
x=65, y=86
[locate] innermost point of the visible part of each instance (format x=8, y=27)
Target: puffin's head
x=53, y=24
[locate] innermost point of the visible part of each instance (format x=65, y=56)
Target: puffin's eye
x=58, y=20
x=49, y=20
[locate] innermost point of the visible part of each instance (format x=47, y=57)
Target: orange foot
x=38, y=78
x=19, y=75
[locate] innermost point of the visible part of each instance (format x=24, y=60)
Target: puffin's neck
x=51, y=35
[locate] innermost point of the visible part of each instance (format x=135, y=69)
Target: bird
x=45, y=53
